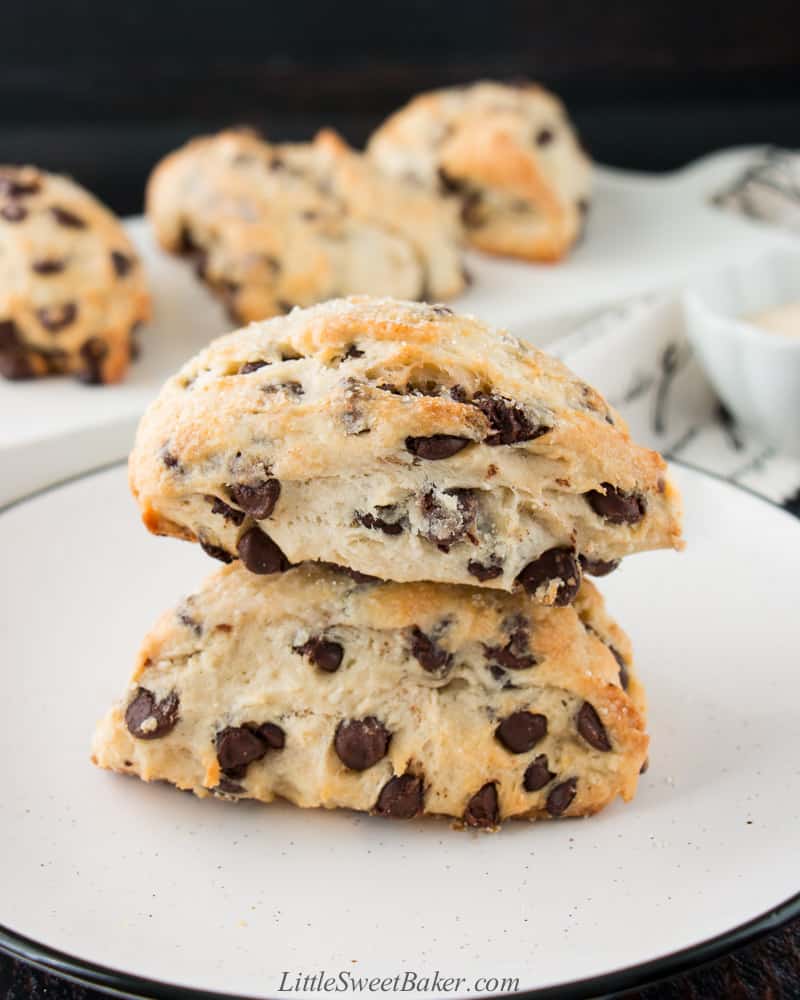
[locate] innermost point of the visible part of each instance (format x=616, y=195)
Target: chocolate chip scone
x=72, y=290
x=272, y=226
x=402, y=441
x=397, y=699
x=508, y=153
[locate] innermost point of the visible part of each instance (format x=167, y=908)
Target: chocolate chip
x=544, y=137
x=448, y=516
x=257, y=499
x=483, y=572
x=186, y=243
x=272, y=735
x=323, y=653
x=645, y=766
x=592, y=729
x=121, y=262
x=521, y=731
x=260, y=554
x=360, y=743
x=427, y=653
x=401, y=797
x=16, y=365
x=9, y=335
x=515, y=655
x=57, y=317
x=220, y=507
x=482, y=809
x=436, y=446
x=353, y=352
x=598, y=567
x=216, y=552
x=537, y=774
x=14, y=188
x=472, y=209
x=238, y=746
x=228, y=787
x=66, y=218
x=14, y=212
x=14, y=362
x=93, y=351
x=187, y=621
x=509, y=422
x=624, y=676
x=149, y=719
x=377, y=523
x=554, y=564
x=439, y=309
x=252, y=366
x=449, y=185
x=170, y=460
x=499, y=675
x=560, y=798
x=48, y=266
x=291, y=388
x=616, y=506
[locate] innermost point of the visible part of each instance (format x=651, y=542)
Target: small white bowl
x=755, y=373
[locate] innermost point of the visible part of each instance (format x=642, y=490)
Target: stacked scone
x=408, y=501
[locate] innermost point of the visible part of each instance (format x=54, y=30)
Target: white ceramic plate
x=646, y=232
x=157, y=887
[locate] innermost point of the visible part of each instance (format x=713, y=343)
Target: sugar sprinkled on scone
x=405, y=442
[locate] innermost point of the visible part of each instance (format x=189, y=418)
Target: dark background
x=102, y=89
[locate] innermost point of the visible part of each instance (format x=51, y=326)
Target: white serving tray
x=645, y=232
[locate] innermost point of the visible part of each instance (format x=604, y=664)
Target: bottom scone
x=334, y=690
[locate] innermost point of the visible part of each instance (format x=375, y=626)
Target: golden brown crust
x=326, y=401
x=510, y=154
x=272, y=226
x=239, y=651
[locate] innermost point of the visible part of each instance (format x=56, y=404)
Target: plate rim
x=125, y=984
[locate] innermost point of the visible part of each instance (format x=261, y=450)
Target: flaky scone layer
x=72, y=289
x=508, y=153
x=392, y=698
x=405, y=442
x=273, y=226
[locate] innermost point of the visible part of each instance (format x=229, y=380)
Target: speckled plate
x=155, y=893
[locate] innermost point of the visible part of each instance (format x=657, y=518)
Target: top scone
x=509, y=153
x=72, y=290
x=273, y=226
x=401, y=441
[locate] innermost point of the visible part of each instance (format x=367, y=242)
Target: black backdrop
x=102, y=88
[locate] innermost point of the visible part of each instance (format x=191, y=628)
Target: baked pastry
x=272, y=226
x=402, y=441
x=72, y=290
x=397, y=699
x=508, y=153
